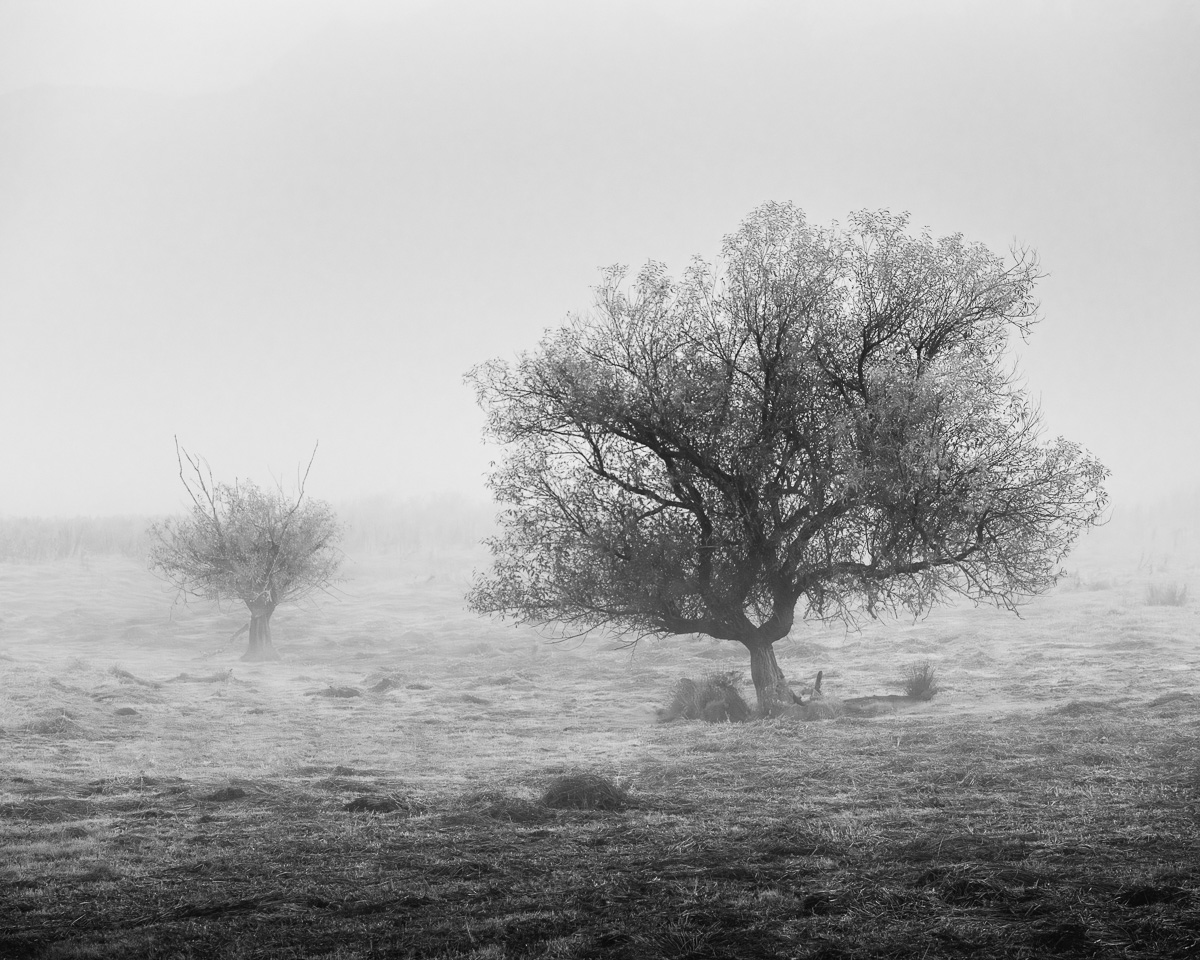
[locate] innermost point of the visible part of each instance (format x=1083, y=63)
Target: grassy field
x=380, y=791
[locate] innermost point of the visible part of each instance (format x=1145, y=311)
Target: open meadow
x=381, y=791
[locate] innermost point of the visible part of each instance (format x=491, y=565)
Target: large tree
x=826, y=423
x=242, y=543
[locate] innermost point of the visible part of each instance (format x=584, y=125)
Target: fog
x=257, y=226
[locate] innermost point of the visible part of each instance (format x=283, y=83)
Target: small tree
x=825, y=426
x=243, y=543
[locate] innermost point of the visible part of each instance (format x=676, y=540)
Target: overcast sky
x=257, y=224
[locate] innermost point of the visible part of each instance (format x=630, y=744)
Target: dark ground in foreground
x=1071, y=832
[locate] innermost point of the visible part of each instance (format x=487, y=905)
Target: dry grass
x=714, y=698
x=920, y=681
x=585, y=791
x=1166, y=595
x=1044, y=804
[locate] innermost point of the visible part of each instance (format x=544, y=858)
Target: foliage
x=827, y=424
x=243, y=543
x=247, y=544
x=1168, y=595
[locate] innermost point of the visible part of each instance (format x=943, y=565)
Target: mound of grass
x=713, y=698
x=220, y=676
x=496, y=805
x=585, y=791
x=387, y=804
x=59, y=722
x=225, y=794
x=338, y=692
x=920, y=681
x=1168, y=595
x=821, y=708
x=124, y=676
x=1083, y=708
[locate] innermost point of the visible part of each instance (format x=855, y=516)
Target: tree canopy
x=826, y=422
x=242, y=543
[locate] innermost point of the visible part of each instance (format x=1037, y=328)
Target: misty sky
x=262, y=224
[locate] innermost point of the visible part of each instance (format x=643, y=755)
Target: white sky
x=261, y=224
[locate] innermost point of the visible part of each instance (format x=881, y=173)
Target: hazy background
x=261, y=224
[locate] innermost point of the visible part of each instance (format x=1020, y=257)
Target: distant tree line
x=377, y=524
x=65, y=538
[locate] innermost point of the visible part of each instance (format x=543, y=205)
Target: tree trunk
x=774, y=694
x=260, y=647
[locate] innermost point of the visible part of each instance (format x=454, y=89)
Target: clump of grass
x=338, y=692
x=124, y=676
x=495, y=805
x=1169, y=595
x=585, y=791
x=220, y=676
x=821, y=708
x=713, y=698
x=58, y=722
x=384, y=804
x=225, y=794
x=920, y=681
x=1083, y=708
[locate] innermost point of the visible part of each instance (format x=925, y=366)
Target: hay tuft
x=387, y=804
x=225, y=794
x=1082, y=708
x=714, y=698
x=920, y=681
x=58, y=723
x=1182, y=699
x=822, y=708
x=220, y=676
x=495, y=805
x=585, y=791
x=124, y=676
x=339, y=692
x=1167, y=595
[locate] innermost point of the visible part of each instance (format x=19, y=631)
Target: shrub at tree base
x=821, y=708
x=713, y=699
x=387, y=804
